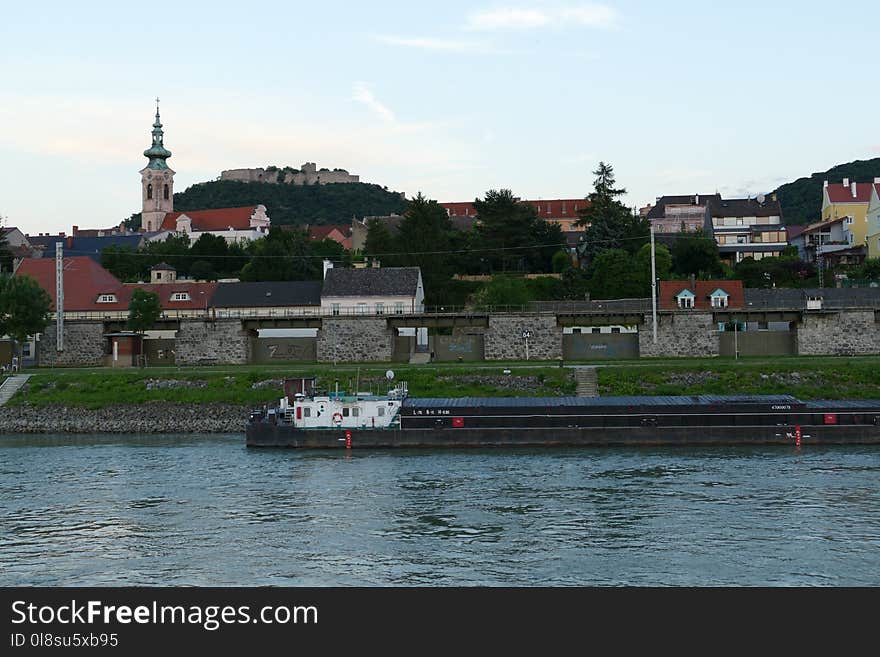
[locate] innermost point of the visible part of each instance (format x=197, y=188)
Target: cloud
x=429, y=43
x=515, y=18
x=363, y=94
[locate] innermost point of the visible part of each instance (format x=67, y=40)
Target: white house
x=372, y=291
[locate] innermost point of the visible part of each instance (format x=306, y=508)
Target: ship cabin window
x=381, y=411
x=307, y=411
x=685, y=299
x=345, y=412
x=355, y=412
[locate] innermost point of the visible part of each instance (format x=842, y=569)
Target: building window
x=165, y=193
x=362, y=309
x=334, y=308
x=149, y=192
x=180, y=296
x=398, y=308
x=595, y=329
x=719, y=302
x=26, y=350
x=615, y=329
x=107, y=298
x=380, y=308
x=685, y=299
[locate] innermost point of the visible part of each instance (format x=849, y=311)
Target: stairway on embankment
x=11, y=386
x=586, y=380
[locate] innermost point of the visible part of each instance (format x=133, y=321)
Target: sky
x=449, y=99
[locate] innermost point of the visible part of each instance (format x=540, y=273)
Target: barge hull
x=265, y=434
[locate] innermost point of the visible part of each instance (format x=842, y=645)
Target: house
x=267, y=299
x=372, y=291
x=821, y=238
x=700, y=295
x=242, y=224
x=681, y=214
x=747, y=228
x=873, y=220
x=341, y=234
x=851, y=200
x=562, y=212
x=94, y=246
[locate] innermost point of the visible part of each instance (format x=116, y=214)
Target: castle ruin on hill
x=307, y=174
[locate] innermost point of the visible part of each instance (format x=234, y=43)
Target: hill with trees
x=801, y=200
x=298, y=205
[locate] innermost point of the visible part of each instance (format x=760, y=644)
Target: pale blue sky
x=450, y=99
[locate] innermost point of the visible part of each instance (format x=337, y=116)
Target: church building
x=159, y=220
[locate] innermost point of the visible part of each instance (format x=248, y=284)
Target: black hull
x=265, y=434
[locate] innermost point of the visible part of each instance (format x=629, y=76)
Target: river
x=204, y=510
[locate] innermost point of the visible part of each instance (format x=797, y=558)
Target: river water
x=204, y=510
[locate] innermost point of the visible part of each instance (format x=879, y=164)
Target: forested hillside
x=802, y=199
x=291, y=204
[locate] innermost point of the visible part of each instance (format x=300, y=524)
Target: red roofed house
x=562, y=212
x=700, y=295
x=851, y=200
x=157, y=196
x=338, y=233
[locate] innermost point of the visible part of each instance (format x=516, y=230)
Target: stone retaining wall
x=207, y=343
x=355, y=340
x=846, y=333
x=680, y=334
x=504, y=339
x=83, y=345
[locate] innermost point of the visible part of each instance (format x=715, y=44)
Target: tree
x=503, y=291
x=614, y=276
x=143, y=310
x=379, y=241
x=283, y=255
x=6, y=256
x=25, y=307
x=202, y=270
x=561, y=261
x=696, y=254
x=662, y=263
x=611, y=225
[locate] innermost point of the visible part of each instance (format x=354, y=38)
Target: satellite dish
x=389, y=374
x=761, y=198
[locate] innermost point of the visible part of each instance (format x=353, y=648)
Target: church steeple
x=157, y=181
x=157, y=152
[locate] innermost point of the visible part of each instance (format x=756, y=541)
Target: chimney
x=61, y=234
x=696, y=199
x=328, y=265
x=825, y=184
x=854, y=189
x=877, y=181
x=69, y=243
x=693, y=287
x=75, y=230
x=846, y=182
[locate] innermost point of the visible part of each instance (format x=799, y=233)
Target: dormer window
x=106, y=298
x=719, y=298
x=180, y=296
x=685, y=299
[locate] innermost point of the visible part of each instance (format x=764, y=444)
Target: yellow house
x=849, y=199
x=874, y=221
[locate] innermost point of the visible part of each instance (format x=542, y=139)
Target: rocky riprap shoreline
x=150, y=417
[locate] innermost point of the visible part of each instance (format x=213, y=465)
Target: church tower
x=157, y=181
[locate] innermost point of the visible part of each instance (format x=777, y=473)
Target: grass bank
x=804, y=377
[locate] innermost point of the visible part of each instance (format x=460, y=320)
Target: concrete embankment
x=151, y=417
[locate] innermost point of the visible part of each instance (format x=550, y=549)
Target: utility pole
x=653, y=287
x=59, y=296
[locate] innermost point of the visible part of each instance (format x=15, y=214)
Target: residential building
x=242, y=224
x=562, y=212
x=849, y=199
x=873, y=220
x=372, y=291
x=822, y=238
x=700, y=295
x=681, y=214
x=267, y=299
x=341, y=234
x=747, y=228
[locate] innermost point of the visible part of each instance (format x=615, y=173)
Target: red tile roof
x=84, y=280
x=220, y=219
x=837, y=193
x=337, y=233
x=547, y=209
x=199, y=293
x=670, y=289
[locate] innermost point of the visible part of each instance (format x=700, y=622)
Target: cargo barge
x=333, y=420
